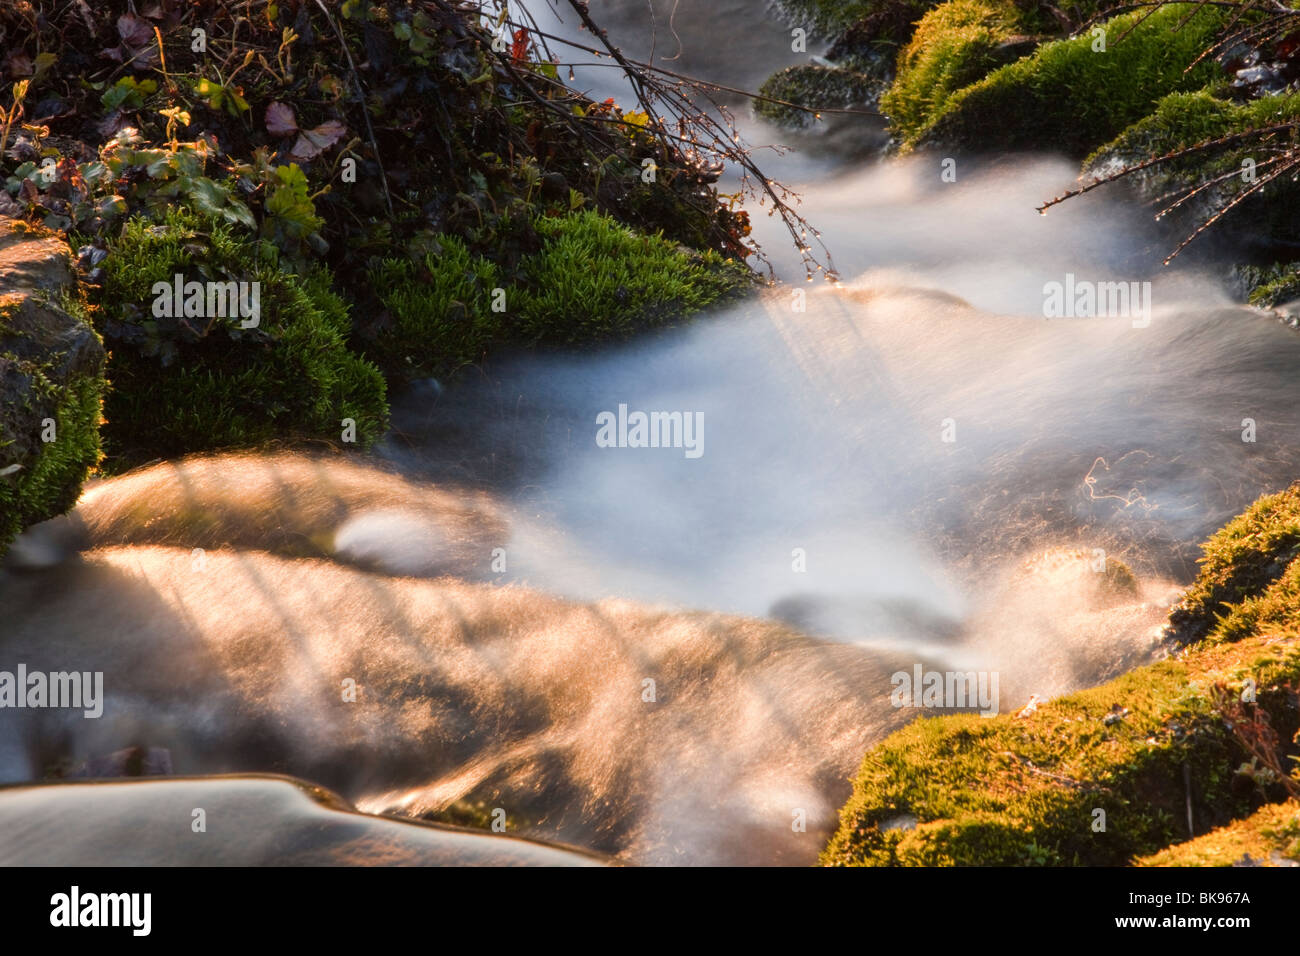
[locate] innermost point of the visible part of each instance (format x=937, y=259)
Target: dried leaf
x=313, y=142
x=134, y=31
x=19, y=64
x=280, y=120
x=111, y=123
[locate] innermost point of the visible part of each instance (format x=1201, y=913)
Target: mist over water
x=826, y=537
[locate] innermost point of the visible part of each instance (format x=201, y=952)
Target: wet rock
x=47, y=544
x=816, y=87
x=1257, y=222
x=253, y=821
x=130, y=762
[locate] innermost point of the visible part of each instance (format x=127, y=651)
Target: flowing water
x=664, y=656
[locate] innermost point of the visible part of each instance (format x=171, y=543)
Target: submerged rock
x=816, y=87
x=130, y=762
x=290, y=504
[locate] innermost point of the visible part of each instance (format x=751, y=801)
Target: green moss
x=595, y=280
x=1182, y=120
x=51, y=387
x=1240, y=562
x=954, y=45
x=1015, y=791
x=52, y=483
x=815, y=87
x=1269, y=286
x=1008, y=791
x=1271, y=611
x=1269, y=837
x=1068, y=97
x=1119, y=580
x=891, y=22
x=184, y=386
x=438, y=315
x=592, y=279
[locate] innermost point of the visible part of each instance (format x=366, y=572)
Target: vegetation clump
x=1269, y=287
x=590, y=279
x=1241, y=562
x=182, y=384
x=353, y=159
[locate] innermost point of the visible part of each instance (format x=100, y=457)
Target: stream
x=674, y=655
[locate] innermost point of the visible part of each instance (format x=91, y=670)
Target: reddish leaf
x=19, y=64
x=70, y=174
x=313, y=142
x=134, y=31
x=519, y=48
x=280, y=120
x=111, y=123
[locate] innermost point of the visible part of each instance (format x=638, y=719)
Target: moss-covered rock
x=51, y=381
x=1240, y=563
x=1268, y=287
x=183, y=384
x=1269, y=837
x=815, y=87
x=829, y=18
x=590, y=279
x=868, y=28
x=1069, y=96
x=954, y=45
x=1007, y=790
x=1182, y=120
